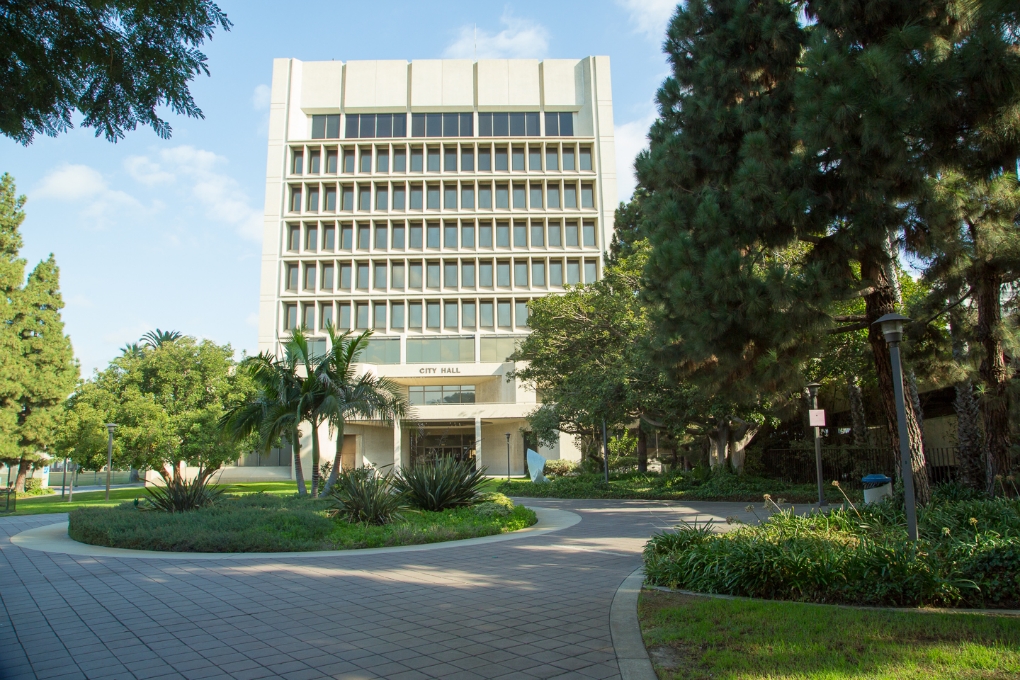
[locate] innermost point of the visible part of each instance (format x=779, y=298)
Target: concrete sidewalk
x=536, y=607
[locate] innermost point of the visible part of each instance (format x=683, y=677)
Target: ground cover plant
x=693, y=638
x=264, y=522
x=694, y=485
x=967, y=555
x=441, y=484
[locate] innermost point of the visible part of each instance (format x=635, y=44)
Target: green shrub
x=364, y=496
x=439, y=485
x=33, y=484
x=178, y=495
x=559, y=467
x=968, y=554
x=271, y=523
x=494, y=505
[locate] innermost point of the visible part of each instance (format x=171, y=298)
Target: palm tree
x=275, y=410
x=157, y=338
x=133, y=350
x=348, y=395
x=311, y=393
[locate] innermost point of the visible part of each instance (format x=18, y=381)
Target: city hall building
x=431, y=201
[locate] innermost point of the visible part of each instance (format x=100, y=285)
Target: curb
x=53, y=538
x=631, y=654
x=909, y=610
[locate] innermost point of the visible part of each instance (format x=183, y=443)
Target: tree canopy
x=115, y=62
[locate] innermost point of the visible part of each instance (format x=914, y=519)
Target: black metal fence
x=847, y=464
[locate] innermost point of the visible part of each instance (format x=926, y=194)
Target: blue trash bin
x=876, y=488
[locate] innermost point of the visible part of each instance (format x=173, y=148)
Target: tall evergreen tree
x=12, y=276
x=51, y=370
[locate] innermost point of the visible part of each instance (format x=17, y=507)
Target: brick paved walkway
x=537, y=607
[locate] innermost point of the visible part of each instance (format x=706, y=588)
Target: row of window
x=450, y=234
x=466, y=274
x=413, y=315
x=385, y=196
x=431, y=350
x=375, y=125
x=449, y=158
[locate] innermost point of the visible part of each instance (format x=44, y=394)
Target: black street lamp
x=892, y=329
x=813, y=393
x=508, y=456
x=109, y=457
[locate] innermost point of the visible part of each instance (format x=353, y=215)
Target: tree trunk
x=738, y=443
x=642, y=448
x=877, y=304
x=315, y=458
x=337, y=462
x=968, y=437
x=915, y=401
x=23, y=467
x=298, y=472
x=859, y=424
x=995, y=375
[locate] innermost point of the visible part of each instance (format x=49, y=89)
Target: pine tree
x=51, y=368
x=12, y=275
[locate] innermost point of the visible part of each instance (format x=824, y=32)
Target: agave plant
x=439, y=485
x=364, y=496
x=179, y=495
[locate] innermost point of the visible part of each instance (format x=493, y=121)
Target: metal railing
x=847, y=464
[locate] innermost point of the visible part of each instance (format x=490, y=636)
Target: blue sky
x=166, y=233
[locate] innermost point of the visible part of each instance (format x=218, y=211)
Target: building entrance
x=432, y=445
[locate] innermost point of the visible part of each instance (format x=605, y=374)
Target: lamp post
x=63, y=480
x=892, y=329
x=110, y=427
x=813, y=394
x=508, y=456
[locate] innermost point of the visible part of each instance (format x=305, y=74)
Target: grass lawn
x=692, y=637
x=278, y=523
x=670, y=487
x=39, y=505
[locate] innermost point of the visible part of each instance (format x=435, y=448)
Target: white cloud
x=88, y=188
x=650, y=16
x=631, y=138
x=145, y=171
x=260, y=97
x=519, y=39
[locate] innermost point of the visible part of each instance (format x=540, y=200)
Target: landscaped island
x=268, y=523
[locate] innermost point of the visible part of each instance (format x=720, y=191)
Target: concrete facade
x=430, y=201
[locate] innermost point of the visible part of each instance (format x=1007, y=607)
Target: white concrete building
x=430, y=201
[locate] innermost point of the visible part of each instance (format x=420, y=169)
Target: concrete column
x=398, y=458
x=478, y=443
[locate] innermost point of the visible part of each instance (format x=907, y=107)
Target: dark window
x=398, y=236
x=362, y=314
x=397, y=315
x=347, y=198
x=351, y=128
x=568, y=159
x=294, y=238
x=468, y=317
x=590, y=268
x=364, y=198
x=467, y=125
x=382, y=161
x=569, y=195
x=538, y=273
x=500, y=125
x=555, y=273
x=397, y=279
x=531, y=120
x=416, y=196
x=433, y=235
x=348, y=160
x=587, y=196
x=501, y=159
x=518, y=158
x=432, y=314
x=398, y=196
x=381, y=233
x=484, y=159
x=433, y=125
x=534, y=158
x=363, y=274
x=520, y=273
x=414, y=314
x=295, y=165
x=384, y=125
x=519, y=196
x=433, y=197
x=485, y=196
x=467, y=235
x=326, y=316
x=451, y=125
x=381, y=196
x=503, y=274
x=485, y=125
x=467, y=158
x=449, y=234
x=554, y=234
x=331, y=161
x=467, y=197
x=433, y=159
x=399, y=124
x=450, y=159
x=485, y=274
x=380, y=275
x=552, y=125
x=416, y=160
x=292, y=277
x=399, y=160
x=517, y=125
x=572, y=234
x=364, y=234
x=295, y=199
x=553, y=193
x=416, y=236
x=521, y=313
x=326, y=127
x=485, y=235
x=367, y=127
x=346, y=237
x=329, y=237
x=345, y=316
x=289, y=317
x=313, y=199
x=536, y=195
x=566, y=125
x=537, y=235
x=450, y=274
x=573, y=272
x=585, y=158
x=414, y=275
x=417, y=124
x=366, y=159
x=468, y=275
x=450, y=314
x=520, y=235
x=309, y=277
x=588, y=233
x=379, y=322
x=503, y=313
x=502, y=196
x=486, y=315
x=345, y=276
x=312, y=238
x=450, y=195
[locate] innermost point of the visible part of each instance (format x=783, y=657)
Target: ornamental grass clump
x=364, y=496
x=968, y=555
x=440, y=485
x=179, y=495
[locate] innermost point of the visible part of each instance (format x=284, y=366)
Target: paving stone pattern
x=536, y=607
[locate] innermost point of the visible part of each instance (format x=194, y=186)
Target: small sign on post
x=816, y=417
